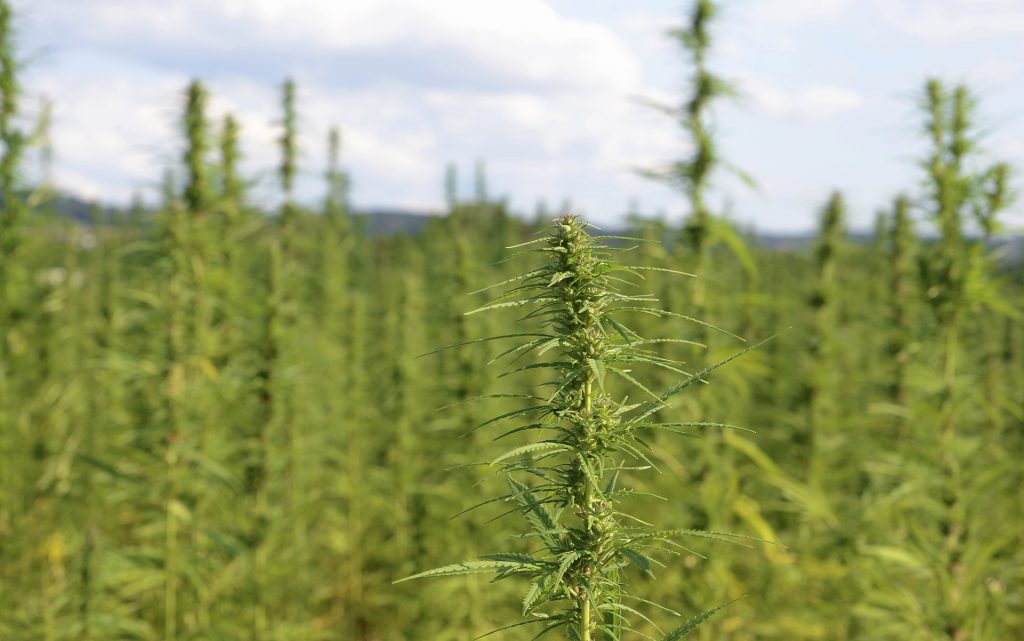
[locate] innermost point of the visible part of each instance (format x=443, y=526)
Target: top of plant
x=566, y=483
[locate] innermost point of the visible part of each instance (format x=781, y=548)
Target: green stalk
x=229, y=279
x=337, y=181
x=696, y=173
x=451, y=187
x=956, y=281
x=176, y=429
x=13, y=143
x=230, y=158
x=356, y=450
x=289, y=152
x=995, y=196
x=197, y=183
x=586, y=623
x=481, y=195
x=693, y=177
x=201, y=243
x=901, y=257
x=464, y=369
x=103, y=399
x=335, y=243
x=289, y=299
x=267, y=398
x=947, y=125
x=823, y=303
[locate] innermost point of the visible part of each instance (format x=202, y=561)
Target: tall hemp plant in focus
x=570, y=484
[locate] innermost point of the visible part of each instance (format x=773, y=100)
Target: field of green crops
x=221, y=423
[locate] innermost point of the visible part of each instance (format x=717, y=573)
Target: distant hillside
x=378, y=220
x=388, y=220
x=81, y=210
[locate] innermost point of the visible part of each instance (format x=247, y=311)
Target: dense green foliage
x=574, y=510
x=214, y=424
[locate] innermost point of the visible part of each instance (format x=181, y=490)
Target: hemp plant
x=824, y=303
x=954, y=269
x=695, y=175
x=230, y=182
x=567, y=484
x=901, y=251
x=12, y=148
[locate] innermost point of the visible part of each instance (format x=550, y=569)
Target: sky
x=554, y=95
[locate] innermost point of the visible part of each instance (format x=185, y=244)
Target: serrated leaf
x=693, y=623
x=559, y=277
x=537, y=514
x=567, y=560
x=532, y=447
x=466, y=567
x=533, y=593
x=638, y=560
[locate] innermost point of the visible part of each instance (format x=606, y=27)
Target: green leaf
x=468, y=567
x=650, y=407
x=533, y=593
x=559, y=277
x=532, y=447
x=660, y=269
x=513, y=557
x=638, y=560
x=516, y=625
x=483, y=340
x=692, y=624
x=566, y=562
x=635, y=382
x=726, y=537
x=894, y=554
x=537, y=514
x=521, y=410
x=510, y=280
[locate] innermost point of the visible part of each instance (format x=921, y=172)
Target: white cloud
x=113, y=131
x=522, y=41
x=544, y=96
x=816, y=102
x=440, y=81
x=939, y=20
x=796, y=11
x=973, y=20
x=951, y=20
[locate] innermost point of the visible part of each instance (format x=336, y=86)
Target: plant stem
x=588, y=499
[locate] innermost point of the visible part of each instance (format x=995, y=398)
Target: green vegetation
x=583, y=540
x=214, y=424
